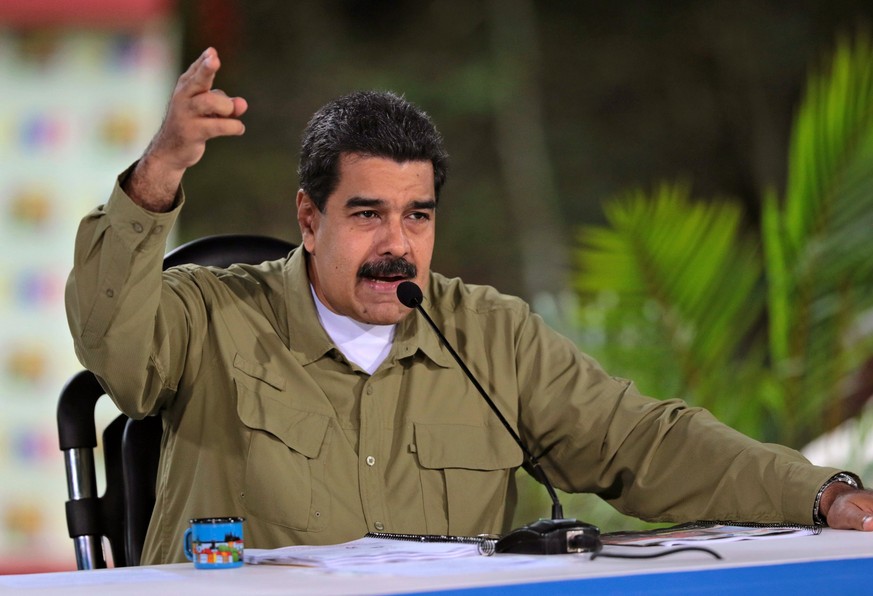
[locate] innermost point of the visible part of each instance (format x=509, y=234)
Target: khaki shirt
x=264, y=418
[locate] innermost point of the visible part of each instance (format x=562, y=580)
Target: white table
x=834, y=562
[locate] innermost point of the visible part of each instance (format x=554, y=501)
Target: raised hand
x=196, y=113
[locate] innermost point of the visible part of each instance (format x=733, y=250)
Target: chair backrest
x=131, y=448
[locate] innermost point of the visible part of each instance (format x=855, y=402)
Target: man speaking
x=302, y=395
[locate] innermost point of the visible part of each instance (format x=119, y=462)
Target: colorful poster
x=79, y=105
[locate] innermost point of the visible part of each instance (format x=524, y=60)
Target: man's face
x=377, y=230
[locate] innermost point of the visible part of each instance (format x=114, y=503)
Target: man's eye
x=366, y=214
x=420, y=216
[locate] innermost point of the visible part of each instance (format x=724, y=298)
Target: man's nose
x=394, y=240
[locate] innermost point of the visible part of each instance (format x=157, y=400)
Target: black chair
x=131, y=448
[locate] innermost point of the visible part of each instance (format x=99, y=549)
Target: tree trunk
x=521, y=147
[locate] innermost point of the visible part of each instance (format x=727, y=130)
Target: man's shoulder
x=242, y=279
x=453, y=294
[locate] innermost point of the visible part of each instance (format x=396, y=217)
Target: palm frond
x=820, y=254
x=680, y=288
x=831, y=126
x=690, y=264
x=829, y=191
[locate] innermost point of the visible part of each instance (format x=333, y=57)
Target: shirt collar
x=309, y=341
x=306, y=337
x=413, y=334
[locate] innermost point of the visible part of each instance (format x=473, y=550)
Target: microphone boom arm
x=544, y=537
x=536, y=469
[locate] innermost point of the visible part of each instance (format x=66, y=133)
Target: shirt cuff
x=137, y=227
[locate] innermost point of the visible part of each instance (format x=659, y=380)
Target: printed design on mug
x=213, y=552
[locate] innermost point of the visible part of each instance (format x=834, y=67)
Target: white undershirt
x=365, y=345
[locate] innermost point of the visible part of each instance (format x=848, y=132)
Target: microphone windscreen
x=409, y=294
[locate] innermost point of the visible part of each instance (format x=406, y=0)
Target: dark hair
x=371, y=123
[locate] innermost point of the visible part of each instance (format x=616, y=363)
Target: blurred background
x=683, y=188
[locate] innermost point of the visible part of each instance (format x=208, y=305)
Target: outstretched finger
x=201, y=74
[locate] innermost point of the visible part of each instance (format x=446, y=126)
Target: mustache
x=399, y=267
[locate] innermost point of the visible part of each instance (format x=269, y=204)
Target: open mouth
x=384, y=284
x=388, y=280
x=389, y=271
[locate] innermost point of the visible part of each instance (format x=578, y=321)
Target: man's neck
x=364, y=344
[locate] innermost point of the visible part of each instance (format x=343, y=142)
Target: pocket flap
x=261, y=406
x=468, y=447
x=259, y=371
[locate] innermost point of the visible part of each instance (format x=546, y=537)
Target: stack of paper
x=365, y=551
x=696, y=533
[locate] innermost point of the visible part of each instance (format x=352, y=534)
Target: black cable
x=656, y=555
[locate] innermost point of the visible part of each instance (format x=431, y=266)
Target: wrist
x=153, y=185
x=828, y=493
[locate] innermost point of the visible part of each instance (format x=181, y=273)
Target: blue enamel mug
x=214, y=542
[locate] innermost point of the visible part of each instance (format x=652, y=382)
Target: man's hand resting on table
x=847, y=508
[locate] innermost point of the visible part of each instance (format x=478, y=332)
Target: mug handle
x=186, y=544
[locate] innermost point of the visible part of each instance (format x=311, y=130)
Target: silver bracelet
x=817, y=518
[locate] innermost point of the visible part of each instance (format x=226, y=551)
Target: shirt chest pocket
x=284, y=475
x=466, y=472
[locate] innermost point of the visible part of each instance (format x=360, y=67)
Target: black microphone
x=553, y=536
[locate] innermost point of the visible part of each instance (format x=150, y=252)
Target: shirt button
x=158, y=229
x=379, y=526
x=371, y=460
x=137, y=227
x=369, y=390
x=110, y=293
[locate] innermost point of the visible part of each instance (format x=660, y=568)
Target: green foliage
x=760, y=327
x=819, y=244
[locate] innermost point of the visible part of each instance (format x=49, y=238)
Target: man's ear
x=307, y=219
